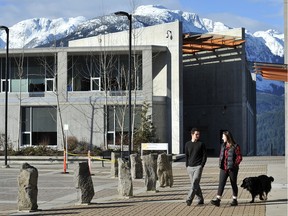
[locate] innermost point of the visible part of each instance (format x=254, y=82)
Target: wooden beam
x=277, y=78
x=190, y=51
x=201, y=46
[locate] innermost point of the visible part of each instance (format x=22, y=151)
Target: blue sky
x=253, y=15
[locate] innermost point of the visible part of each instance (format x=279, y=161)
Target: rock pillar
x=83, y=183
x=164, y=170
x=149, y=164
x=125, y=186
x=136, y=166
x=114, y=164
x=27, y=188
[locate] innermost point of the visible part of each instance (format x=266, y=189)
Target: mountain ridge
x=261, y=46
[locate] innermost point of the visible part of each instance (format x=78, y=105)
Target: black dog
x=260, y=185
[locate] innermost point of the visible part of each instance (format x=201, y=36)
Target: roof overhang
x=208, y=42
x=278, y=72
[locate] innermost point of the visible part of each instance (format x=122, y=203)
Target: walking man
x=196, y=157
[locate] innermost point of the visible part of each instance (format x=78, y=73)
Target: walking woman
x=229, y=160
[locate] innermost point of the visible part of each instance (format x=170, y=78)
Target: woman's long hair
x=230, y=138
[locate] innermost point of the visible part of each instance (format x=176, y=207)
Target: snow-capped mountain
x=39, y=31
x=261, y=46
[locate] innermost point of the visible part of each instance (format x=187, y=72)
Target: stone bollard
x=136, y=166
x=164, y=170
x=83, y=183
x=125, y=186
x=154, y=156
x=114, y=164
x=150, y=174
x=27, y=188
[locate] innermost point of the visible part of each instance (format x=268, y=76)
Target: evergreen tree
x=146, y=133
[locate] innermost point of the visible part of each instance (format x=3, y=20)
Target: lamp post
x=129, y=16
x=6, y=90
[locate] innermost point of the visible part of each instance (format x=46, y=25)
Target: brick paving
x=167, y=201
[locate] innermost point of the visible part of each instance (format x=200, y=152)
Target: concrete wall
x=213, y=102
x=219, y=94
x=85, y=121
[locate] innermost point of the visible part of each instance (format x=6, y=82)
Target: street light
x=129, y=16
x=6, y=90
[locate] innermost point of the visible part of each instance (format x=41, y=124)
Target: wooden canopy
x=277, y=72
x=208, y=42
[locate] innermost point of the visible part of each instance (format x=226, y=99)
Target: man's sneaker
x=188, y=202
x=215, y=202
x=234, y=202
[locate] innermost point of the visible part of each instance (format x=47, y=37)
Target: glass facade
x=100, y=73
x=29, y=74
x=85, y=73
x=39, y=126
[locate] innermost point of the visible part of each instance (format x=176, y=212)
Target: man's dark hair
x=194, y=129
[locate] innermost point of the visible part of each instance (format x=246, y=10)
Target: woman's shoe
x=234, y=202
x=201, y=202
x=215, y=202
x=188, y=202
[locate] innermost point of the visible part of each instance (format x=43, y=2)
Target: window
x=26, y=125
x=103, y=72
x=118, y=124
x=18, y=74
x=79, y=73
x=111, y=138
x=49, y=85
x=26, y=138
x=36, y=75
x=3, y=85
x=39, y=126
x=95, y=84
x=32, y=74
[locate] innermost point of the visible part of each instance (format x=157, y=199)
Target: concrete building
x=84, y=87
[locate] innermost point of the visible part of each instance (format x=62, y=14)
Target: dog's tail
x=271, y=178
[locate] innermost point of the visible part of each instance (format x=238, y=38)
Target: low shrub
x=41, y=150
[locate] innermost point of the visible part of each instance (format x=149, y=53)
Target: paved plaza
x=57, y=194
